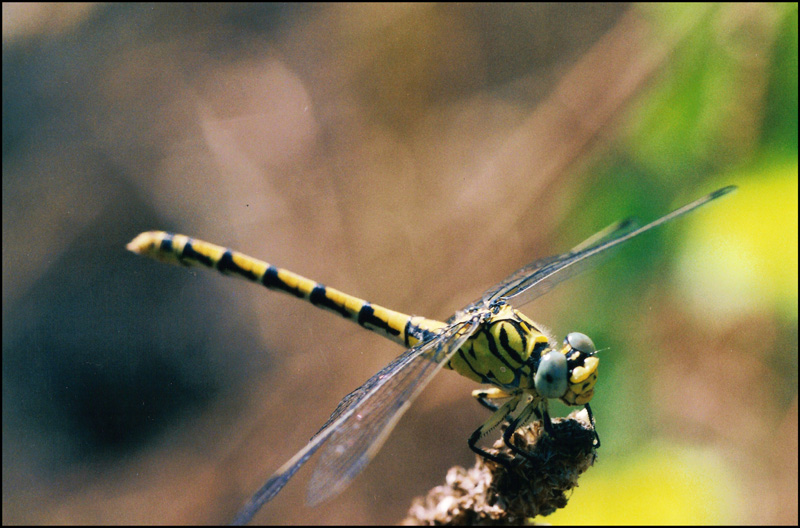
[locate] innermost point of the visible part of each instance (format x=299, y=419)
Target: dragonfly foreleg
x=498, y=417
x=533, y=411
x=594, y=427
x=494, y=393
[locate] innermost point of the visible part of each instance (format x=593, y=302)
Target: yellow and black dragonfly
x=488, y=341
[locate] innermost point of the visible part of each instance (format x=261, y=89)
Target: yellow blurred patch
x=660, y=485
x=740, y=256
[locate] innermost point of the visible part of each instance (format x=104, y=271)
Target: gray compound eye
x=580, y=342
x=551, y=376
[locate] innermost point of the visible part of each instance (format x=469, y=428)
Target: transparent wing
x=539, y=277
x=363, y=419
x=358, y=438
x=609, y=233
x=615, y=230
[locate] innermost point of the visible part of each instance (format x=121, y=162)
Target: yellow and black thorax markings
x=504, y=352
x=180, y=249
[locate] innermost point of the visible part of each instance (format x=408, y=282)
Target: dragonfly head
x=569, y=373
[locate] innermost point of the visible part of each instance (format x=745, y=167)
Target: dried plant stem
x=493, y=494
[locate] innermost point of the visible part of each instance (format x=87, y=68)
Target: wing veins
x=452, y=335
x=539, y=277
x=356, y=440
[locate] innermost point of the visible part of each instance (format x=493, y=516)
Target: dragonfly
x=488, y=341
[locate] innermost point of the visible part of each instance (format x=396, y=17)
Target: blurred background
x=412, y=155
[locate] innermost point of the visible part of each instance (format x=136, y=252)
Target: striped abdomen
x=180, y=249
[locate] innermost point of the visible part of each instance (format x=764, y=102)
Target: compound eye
x=551, y=376
x=580, y=342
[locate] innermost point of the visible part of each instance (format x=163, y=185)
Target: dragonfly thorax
x=504, y=351
x=510, y=352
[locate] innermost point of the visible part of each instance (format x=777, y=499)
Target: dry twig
x=492, y=494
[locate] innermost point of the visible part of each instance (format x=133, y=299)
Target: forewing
x=539, y=277
x=361, y=430
x=611, y=232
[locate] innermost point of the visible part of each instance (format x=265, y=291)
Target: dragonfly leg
x=499, y=416
x=525, y=417
x=487, y=403
x=546, y=421
x=512, y=426
x=594, y=426
x=484, y=395
x=472, y=442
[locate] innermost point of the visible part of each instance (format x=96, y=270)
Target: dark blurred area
x=413, y=155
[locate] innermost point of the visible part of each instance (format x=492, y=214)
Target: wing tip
x=722, y=192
